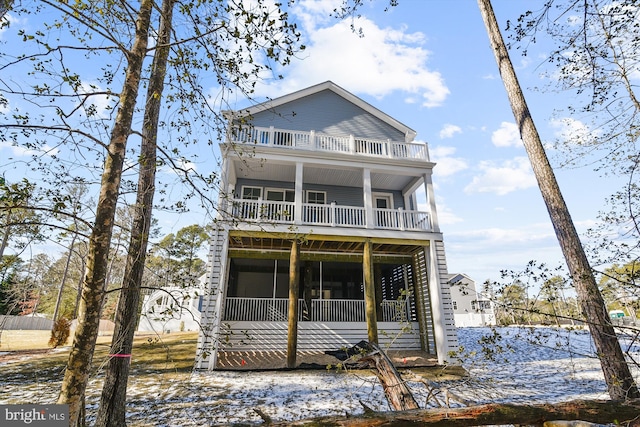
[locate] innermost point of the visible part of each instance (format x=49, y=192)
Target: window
x=280, y=195
x=455, y=305
x=317, y=197
x=251, y=193
x=383, y=200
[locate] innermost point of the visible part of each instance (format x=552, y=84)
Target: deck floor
x=270, y=360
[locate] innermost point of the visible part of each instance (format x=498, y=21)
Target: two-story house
x=470, y=306
x=327, y=234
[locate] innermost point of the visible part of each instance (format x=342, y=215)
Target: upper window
x=317, y=197
x=251, y=193
x=280, y=195
x=383, y=200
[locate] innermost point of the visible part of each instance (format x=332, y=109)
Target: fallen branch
x=595, y=411
x=398, y=394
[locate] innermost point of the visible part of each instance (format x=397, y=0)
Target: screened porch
x=330, y=292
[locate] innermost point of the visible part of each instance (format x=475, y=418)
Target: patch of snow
x=523, y=365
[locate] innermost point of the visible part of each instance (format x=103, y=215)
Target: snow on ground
x=531, y=365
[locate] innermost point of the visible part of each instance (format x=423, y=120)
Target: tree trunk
x=617, y=375
x=78, y=367
x=64, y=278
x=398, y=394
x=112, y=410
x=601, y=412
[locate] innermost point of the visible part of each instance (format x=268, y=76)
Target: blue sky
x=428, y=64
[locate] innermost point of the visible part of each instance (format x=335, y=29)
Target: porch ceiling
x=324, y=244
x=326, y=175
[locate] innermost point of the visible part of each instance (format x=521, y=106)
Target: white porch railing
x=395, y=311
x=399, y=219
x=330, y=143
x=331, y=215
x=259, y=309
x=327, y=310
x=263, y=210
x=337, y=310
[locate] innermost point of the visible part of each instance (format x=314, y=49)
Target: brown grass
x=151, y=353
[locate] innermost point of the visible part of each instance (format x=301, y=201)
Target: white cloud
x=181, y=165
x=506, y=136
x=505, y=237
x=573, y=131
x=446, y=163
x=449, y=130
x=8, y=21
x=383, y=61
x=17, y=150
x=445, y=215
x=502, y=179
x=103, y=104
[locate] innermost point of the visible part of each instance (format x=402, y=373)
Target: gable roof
x=409, y=133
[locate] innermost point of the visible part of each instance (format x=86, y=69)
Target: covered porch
x=295, y=299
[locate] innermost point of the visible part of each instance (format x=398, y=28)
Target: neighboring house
x=470, y=307
x=322, y=239
x=172, y=309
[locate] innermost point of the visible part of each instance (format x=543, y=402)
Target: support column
x=368, y=198
x=297, y=211
x=369, y=293
x=294, y=291
x=431, y=200
x=437, y=306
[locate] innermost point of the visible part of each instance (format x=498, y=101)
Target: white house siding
x=212, y=304
x=451, y=334
x=316, y=336
x=425, y=317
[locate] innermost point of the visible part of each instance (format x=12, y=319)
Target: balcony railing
x=326, y=310
x=331, y=215
x=329, y=143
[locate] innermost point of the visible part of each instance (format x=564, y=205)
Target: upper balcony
x=328, y=215
x=320, y=142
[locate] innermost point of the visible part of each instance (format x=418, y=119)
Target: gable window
x=251, y=193
x=317, y=197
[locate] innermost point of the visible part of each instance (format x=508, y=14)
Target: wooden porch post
x=294, y=291
x=369, y=292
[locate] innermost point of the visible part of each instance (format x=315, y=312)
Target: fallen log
x=621, y=413
x=395, y=389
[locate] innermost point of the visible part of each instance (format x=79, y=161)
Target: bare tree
x=77, y=372
x=616, y=371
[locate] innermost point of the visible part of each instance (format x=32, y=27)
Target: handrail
x=316, y=141
x=330, y=215
x=322, y=310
